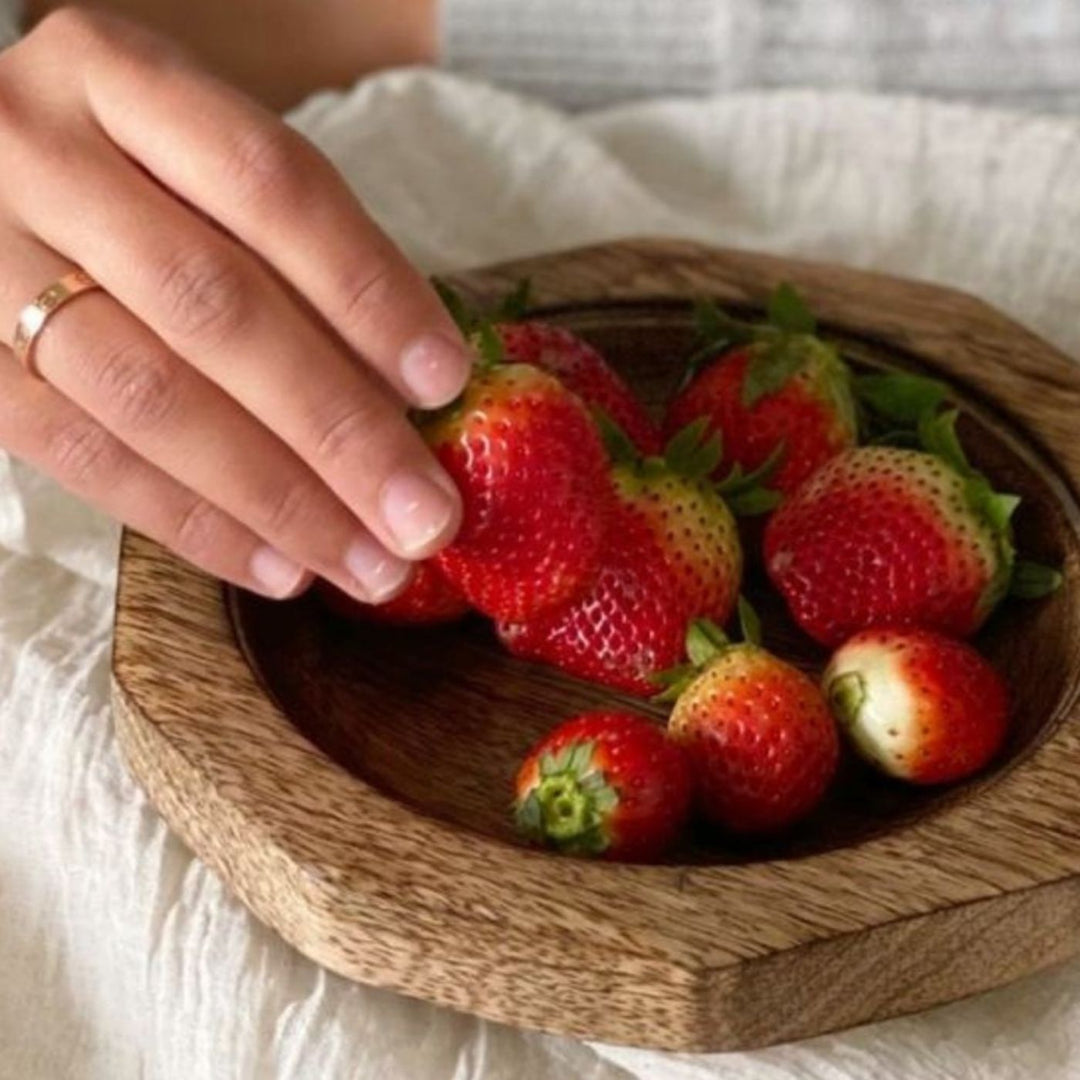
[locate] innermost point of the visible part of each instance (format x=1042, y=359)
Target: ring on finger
x=35, y=315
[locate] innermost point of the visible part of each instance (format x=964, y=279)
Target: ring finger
x=220, y=308
x=104, y=360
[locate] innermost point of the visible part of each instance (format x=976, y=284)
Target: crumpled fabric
x=121, y=956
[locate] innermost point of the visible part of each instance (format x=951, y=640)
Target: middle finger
x=220, y=309
x=101, y=358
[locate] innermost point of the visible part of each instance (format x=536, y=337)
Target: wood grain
x=358, y=806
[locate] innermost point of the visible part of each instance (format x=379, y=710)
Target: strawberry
x=604, y=783
x=629, y=624
x=428, y=598
x=758, y=734
x=884, y=535
x=554, y=349
x=581, y=368
x=773, y=388
x=685, y=512
x=535, y=488
x=917, y=705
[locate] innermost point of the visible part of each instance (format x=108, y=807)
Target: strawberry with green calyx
x=770, y=387
x=692, y=525
x=628, y=624
x=554, y=349
x=757, y=732
x=606, y=784
x=917, y=705
x=428, y=598
x=885, y=535
x=535, y=489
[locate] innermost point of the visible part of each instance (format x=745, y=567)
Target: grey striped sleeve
x=591, y=52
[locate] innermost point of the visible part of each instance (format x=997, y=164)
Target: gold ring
x=35, y=315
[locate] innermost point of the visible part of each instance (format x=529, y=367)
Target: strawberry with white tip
x=917, y=705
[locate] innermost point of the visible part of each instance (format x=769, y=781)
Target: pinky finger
x=45, y=429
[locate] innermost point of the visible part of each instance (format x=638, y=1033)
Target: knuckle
x=272, y=166
x=293, y=508
x=205, y=295
x=198, y=533
x=349, y=432
x=82, y=452
x=138, y=384
x=367, y=296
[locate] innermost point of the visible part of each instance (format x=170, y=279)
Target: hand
x=238, y=388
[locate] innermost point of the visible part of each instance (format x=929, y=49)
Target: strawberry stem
x=571, y=804
x=846, y=694
x=565, y=810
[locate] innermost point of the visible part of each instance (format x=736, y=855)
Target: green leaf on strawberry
x=899, y=397
x=788, y=312
x=745, y=493
x=514, y=306
x=770, y=368
x=1033, y=581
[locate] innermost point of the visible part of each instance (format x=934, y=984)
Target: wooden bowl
x=352, y=783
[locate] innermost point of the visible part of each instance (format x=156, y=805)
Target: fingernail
x=379, y=573
x=416, y=509
x=435, y=369
x=278, y=575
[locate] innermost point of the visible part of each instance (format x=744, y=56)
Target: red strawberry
x=629, y=624
x=888, y=536
x=917, y=705
x=428, y=598
x=535, y=486
x=761, y=743
x=581, y=368
x=696, y=533
x=554, y=349
x=604, y=783
x=772, y=388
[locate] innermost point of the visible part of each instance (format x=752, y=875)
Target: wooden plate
x=351, y=783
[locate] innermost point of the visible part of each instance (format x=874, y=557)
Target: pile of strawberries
x=606, y=545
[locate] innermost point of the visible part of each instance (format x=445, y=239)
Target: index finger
x=275, y=192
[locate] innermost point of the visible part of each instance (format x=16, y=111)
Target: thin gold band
x=35, y=315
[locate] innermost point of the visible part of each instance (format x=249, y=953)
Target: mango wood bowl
x=352, y=783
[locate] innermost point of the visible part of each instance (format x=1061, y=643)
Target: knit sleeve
x=583, y=53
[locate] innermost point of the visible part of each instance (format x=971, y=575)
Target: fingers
x=40, y=426
x=101, y=358
x=217, y=307
x=278, y=195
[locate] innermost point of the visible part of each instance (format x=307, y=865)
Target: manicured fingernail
x=416, y=509
x=278, y=575
x=378, y=573
x=435, y=369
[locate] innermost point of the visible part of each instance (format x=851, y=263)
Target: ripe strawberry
x=888, y=536
x=604, y=783
x=917, y=705
x=554, y=349
x=428, y=598
x=761, y=743
x=535, y=486
x=695, y=531
x=582, y=369
x=773, y=388
x=629, y=624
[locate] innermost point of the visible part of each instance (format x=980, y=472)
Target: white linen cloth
x=121, y=956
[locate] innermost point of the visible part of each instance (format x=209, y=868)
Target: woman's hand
x=238, y=389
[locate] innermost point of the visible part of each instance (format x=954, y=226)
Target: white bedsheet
x=121, y=957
